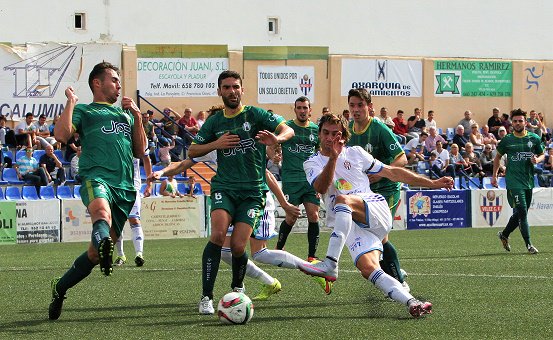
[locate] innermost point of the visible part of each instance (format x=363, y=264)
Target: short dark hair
x=28, y=114
x=361, y=93
x=99, y=70
x=42, y=116
x=302, y=99
x=518, y=112
x=423, y=134
x=228, y=74
x=331, y=118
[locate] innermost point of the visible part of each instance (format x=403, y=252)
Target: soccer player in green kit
x=524, y=150
x=378, y=140
x=110, y=137
x=239, y=133
x=295, y=151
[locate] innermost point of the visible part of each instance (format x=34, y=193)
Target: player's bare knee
x=342, y=199
x=93, y=255
x=217, y=237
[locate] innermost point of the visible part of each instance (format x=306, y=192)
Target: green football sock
x=390, y=261
x=210, y=267
x=100, y=230
x=239, y=264
x=81, y=268
x=283, y=233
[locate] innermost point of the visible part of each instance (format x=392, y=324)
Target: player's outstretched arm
x=63, y=130
x=397, y=174
x=290, y=209
x=226, y=141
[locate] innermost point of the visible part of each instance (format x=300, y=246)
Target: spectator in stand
x=488, y=137
x=400, y=128
x=28, y=170
x=346, y=115
x=502, y=132
x=384, y=118
x=430, y=121
x=476, y=138
x=71, y=147
x=151, y=137
x=43, y=133
x=533, y=124
x=456, y=161
x=459, y=137
x=432, y=139
x=506, y=121
x=25, y=132
x=173, y=130
x=164, y=151
x=52, y=166
x=169, y=187
x=548, y=161
x=473, y=160
x=443, y=155
x=274, y=160
x=414, y=149
x=486, y=159
x=200, y=118
x=188, y=123
x=437, y=168
x=415, y=124
x=494, y=122
x=75, y=166
x=191, y=185
x=467, y=123
x=3, y=130
x=325, y=110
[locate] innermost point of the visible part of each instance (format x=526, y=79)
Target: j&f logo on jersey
x=243, y=146
x=246, y=126
x=301, y=148
x=420, y=205
x=118, y=128
x=252, y=213
x=491, y=206
x=342, y=184
x=522, y=156
x=273, y=117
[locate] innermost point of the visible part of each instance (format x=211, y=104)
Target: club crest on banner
x=419, y=205
x=305, y=84
x=491, y=206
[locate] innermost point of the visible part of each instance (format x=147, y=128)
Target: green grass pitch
x=479, y=291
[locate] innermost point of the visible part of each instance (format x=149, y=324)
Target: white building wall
x=470, y=28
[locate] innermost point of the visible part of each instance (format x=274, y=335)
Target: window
x=273, y=26
x=80, y=22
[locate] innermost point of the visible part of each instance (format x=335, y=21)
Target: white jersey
x=136, y=173
x=267, y=224
x=350, y=177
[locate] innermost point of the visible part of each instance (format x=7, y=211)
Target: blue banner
x=433, y=209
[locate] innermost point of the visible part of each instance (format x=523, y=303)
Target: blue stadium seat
x=60, y=156
x=13, y=193
x=457, y=183
x=198, y=189
x=19, y=154
x=8, y=154
x=474, y=183
x=64, y=192
x=10, y=175
x=29, y=193
x=181, y=178
x=38, y=153
x=536, y=181
x=501, y=183
x=440, y=131
x=47, y=193
x=157, y=167
x=2, y=197
x=450, y=133
x=183, y=188
x=77, y=191
x=488, y=183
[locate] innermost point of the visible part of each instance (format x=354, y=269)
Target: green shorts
x=519, y=198
x=299, y=192
x=242, y=206
x=120, y=201
x=393, y=201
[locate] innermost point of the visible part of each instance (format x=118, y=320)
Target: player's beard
x=231, y=104
x=518, y=128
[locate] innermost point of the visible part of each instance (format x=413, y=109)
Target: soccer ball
x=235, y=309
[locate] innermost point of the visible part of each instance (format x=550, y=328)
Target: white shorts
x=266, y=229
x=366, y=237
x=135, y=211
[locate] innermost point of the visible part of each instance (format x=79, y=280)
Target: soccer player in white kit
x=361, y=218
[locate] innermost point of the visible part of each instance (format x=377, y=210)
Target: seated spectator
x=43, y=133
x=28, y=170
x=443, y=156
x=430, y=121
x=467, y=123
x=415, y=124
x=400, y=128
x=169, y=187
x=414, y=149
x=501, y=132
x=164, y=155
x=494, y=122
x=433, y=137
x=457, y=163
x=52, y=166
x=274, y=160
x=75, y=166
x=3, y=130
x=473, y=160
x=346, y=115
x=384, y=118
x=459, y=137
x=476, y=138
x=506, y=121
x=191, y=184
x=200, y=118
x=533, y=124
x=25, y=132
x=486, y=159
x=188, y=126
x=71, y=148
x=173, y=130
x=151, y=137
x=488, y=137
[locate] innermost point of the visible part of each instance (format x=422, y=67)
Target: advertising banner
x=33, y=78
x=454, y=78
x=8, y=223
x=76, y=225
x=430, y=209
x=38, y=221
x=541, y=208
x=383, y=77
x=284, y=84
x=401, y=213
x=490, y=208
x=179, y=77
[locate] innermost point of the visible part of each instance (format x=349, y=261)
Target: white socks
x=252, y=270
x=137, y=237
x=279, y=258
x=342, y=226
x=390, y=286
